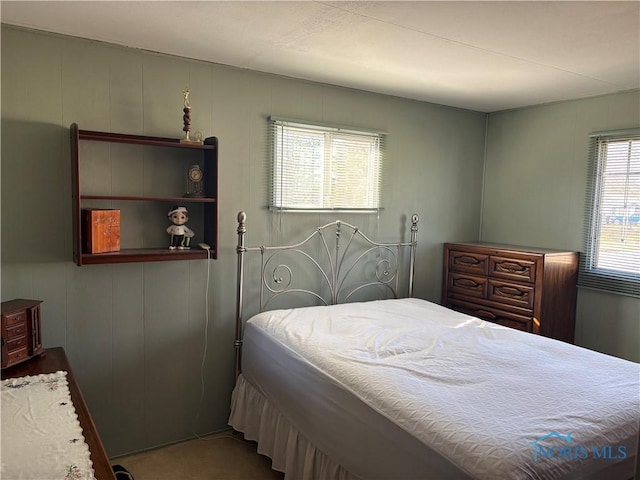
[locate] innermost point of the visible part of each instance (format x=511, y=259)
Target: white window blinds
x=316, y=167
x=612, y=244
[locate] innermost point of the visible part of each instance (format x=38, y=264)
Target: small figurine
x=185, y=94
x=180, y=233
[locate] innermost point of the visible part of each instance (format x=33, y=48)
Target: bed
x=355, y=387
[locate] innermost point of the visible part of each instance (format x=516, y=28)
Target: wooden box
x=21, y=337
x=100, y=230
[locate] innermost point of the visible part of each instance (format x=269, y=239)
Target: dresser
x=530, y=289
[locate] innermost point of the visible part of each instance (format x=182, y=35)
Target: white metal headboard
x=353, y=263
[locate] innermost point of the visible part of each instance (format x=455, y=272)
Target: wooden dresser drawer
x=515, y=294
x=468, y=262
x=17, y=355
x=16, y=331
x=16, y=343
x=516, y=269
x=16, y=318
x=494, y=315
x=468, y=285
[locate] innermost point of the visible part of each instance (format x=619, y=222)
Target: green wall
x=534, y=194
x=134, y=332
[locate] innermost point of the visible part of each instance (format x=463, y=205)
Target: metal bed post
x=240, y=250
x=336, y=267
x=414, y=243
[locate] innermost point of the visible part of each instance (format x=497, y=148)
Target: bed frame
x=337, y=274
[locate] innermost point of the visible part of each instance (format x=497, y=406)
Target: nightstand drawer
x=518, y=269
x=518, y=295
x=468, y=285
x=15, y=318
x=494, y=315
x=16, y=331
x=468, y=262
x=16, y=343
x=17, y=356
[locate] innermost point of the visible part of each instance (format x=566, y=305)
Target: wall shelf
x=150, y=199
x=143, y=255
x=158, y=155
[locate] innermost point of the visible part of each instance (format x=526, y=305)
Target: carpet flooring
x=225, y=456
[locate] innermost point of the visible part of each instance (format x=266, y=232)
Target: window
x=317, y=167
x=612, y=256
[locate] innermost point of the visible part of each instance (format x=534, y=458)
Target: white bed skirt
x=290, y=452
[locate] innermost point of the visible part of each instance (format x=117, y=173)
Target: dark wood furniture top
x=528, y=288
x=209, y=159
x=51, y=361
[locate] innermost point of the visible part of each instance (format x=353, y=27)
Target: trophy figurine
x=186, y=119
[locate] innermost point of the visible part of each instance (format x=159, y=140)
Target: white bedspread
x=494, y=402
x=41, y=435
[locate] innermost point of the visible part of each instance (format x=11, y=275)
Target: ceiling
x=484, y=56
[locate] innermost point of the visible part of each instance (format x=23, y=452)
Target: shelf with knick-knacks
x=144, y=179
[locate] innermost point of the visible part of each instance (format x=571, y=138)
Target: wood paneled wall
x=134, y=333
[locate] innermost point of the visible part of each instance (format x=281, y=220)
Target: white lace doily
x=41, y=435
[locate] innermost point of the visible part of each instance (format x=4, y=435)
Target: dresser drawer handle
x=467, y=283
x=510, y=267
x=510, y=292
x=484, y=314
x=468, y=260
